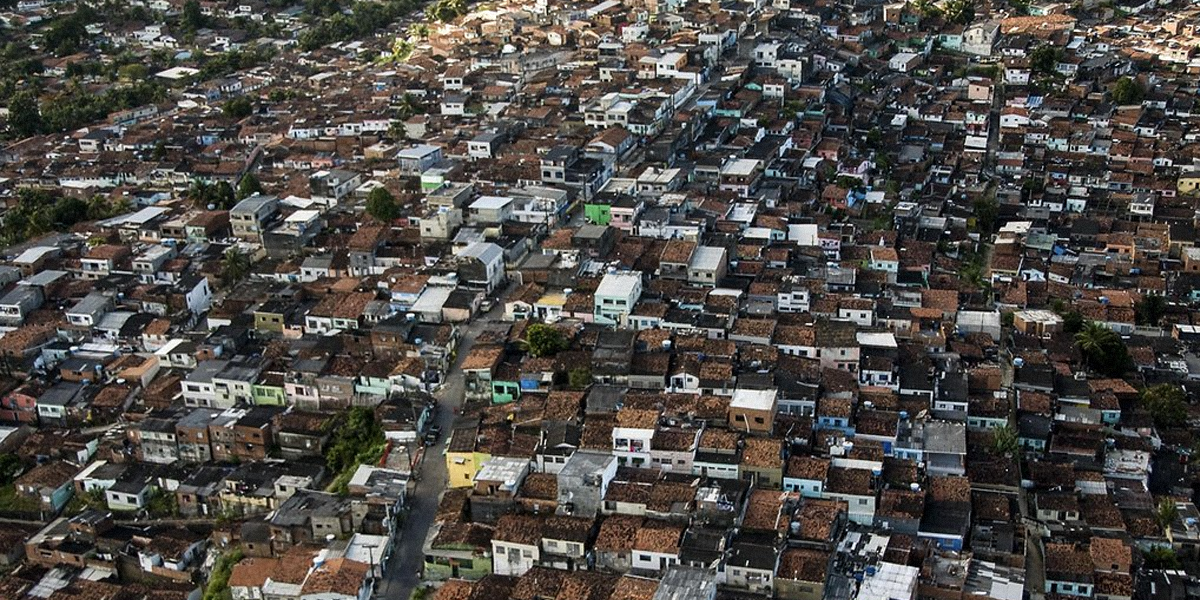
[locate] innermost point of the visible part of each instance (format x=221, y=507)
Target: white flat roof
x=302, y=216
x=417, y=151
x=491, y=202
x=753, y=399
x=877, y=339
x=33, y=254
x=741, y=166
x=615, y=285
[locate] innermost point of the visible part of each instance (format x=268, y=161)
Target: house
x=495, y=487
x=616, y=296
x=707, y=266
x=481, y=266
x=752, y=562
x=656, y=547
x=51, y=484
x=516, y=544
x=753, y=411
x=250, y=217
x=583, y=483
x=418, y=159
x=18, y=303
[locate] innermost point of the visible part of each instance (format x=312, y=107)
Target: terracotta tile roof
x=617, y=533
x=949, y=489
x=635, y=418
x=763, y=511
x=1110, y=554
x=634, y=588
x=807, y=467
x=719, y=439
x=541, y=486
x=802, y=564
x=1066, y=558
x=343, y=306
x=817, y=518
x=762, y=452
x=252, y=572
x=658, y=536
x=519, y=529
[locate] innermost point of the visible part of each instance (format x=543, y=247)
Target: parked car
x=432, y=434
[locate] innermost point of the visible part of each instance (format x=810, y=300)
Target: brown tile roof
x=658, y=536
x=807, y=467
x=634, y=588
x=817, y=518
x=763, y=511
x=343, y=306
x=1066, y=558
x=1110, y=554
x=849, y=481
x=541, y=486
x=637, y=418
x=519, y=529
x=802, y=564
x=762, y=452
x=252, y=572
x=617, y=533
x=949, y=489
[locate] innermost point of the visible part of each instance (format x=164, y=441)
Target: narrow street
x=402, y=574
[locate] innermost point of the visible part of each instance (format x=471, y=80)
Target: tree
x=1160, y=557
x=1103, y=349
x=1073, y=322
x=235, y=266
x=1005, y=441
x=192, y=18
x=960, y=11
x=544, y=340
x=381, y=205
x=248, y=186
x=1165, y=513
x=10, y=468
x=24, y=117
x=408, y=107
x=132, y=72
x=580, y=377
x=239, y=108
x=446, y=10
x=1166, y=404
x=1128, y=91
x=1044, y=59
x=987, y=210
x=1150, y=309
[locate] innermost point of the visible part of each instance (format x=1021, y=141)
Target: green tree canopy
x=24, y=117
x=1150, y=309
x=1166, y=404
x=381, y=205
x=235, y=266
x=579, y=377
x=1103, y=349
x=544, y=340
x=1005, y=441
x=238, y=108
x=1128, y=91
x=1044, y=59
x=248, y=186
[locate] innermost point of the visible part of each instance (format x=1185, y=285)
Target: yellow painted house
x=1188, y=183
x=462, y=461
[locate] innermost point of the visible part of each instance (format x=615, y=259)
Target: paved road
x=402, y=576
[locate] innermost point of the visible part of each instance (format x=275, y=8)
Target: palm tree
x=1094, y=340
x=1165, y=513
x=235, y=266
